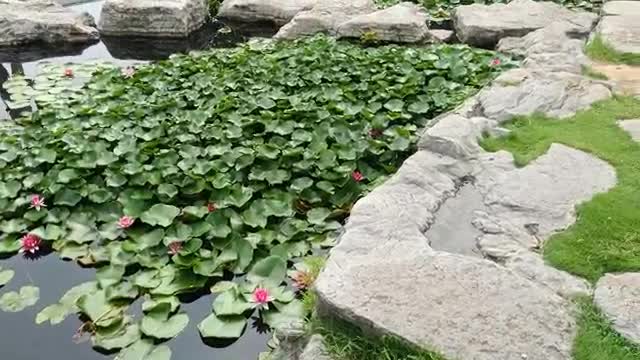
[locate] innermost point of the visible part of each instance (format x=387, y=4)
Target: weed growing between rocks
x=175, y=176
x=598, y=49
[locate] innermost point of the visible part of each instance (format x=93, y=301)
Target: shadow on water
x=20, y=337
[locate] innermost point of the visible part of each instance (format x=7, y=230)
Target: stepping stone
x=484, y=25
x=618, y=296
x=625, y=77
x=30, y=21
x=632, y=127
x=620, y=26
x=152, y=18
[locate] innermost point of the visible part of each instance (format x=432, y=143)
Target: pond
x=21, y=338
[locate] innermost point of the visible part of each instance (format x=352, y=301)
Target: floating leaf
x=226, y=327
x=18, y=301
x=5, y=276
x=268, y=271
x=158, y=322
x=160, y=214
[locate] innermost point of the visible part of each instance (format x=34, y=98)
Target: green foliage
x=605, y=237
x=440, y=10
x=5, y=276
x=598, y=49
x=344, y=341
x=231, y=160
x=597, y=340
x=214, y=5
x=17, y=301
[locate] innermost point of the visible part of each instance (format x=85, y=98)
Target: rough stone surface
x=524, y=92
x=455, y=136
x=279, y=12
x=315, y=349
x=463, y=307
x=153, y=18
x=618, y=296
x=621, y=32
x=324, y=17
x=625, y=78
x=552, y=48
x=632, y=127
x=404, y=22
x=29, y=21
x=445, y=36
x=485, y=25
x=623, y=7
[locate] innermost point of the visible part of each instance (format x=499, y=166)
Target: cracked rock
x=618, y=296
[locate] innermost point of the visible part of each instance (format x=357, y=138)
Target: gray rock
x=552, y=48
x=153, y=18
x=279, y=12
x=621, y=7
x=462, y=307
x=315, y=349
x=485, y=25
x=621, y=32
x=29, y=21
x=632, y=127
x=325, y=17
x=404, y=22
x=446, y=36
x=556, y=94
x=618, y=296
x=455, y=136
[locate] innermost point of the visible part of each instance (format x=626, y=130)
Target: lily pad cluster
x=180, y=175
x=440, y=10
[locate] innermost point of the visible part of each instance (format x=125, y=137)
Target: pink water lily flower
x=174, y=248
x=125, y=222
x=260, y=298
x=37, y=202
x=357, y=176
x=30, y=243
x=495, y=62
x=128, y=72
x=68, y=72
x=211, y=207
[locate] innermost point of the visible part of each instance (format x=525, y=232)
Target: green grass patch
x=347, y=342
x=598, y=49
x=590, y=72
x=606, y=236
x=596, y=340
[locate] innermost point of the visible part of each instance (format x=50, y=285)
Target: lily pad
x=268, y=271
x=160, y=324
x=225, y=327
x=18, y=301
x=160, y=214
x=5, y=276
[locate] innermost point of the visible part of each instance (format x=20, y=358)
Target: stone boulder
x=153, y=18
x=632, y=127
x=459, y=306
x=29, y=21
x=278, y=12
x=556, y=94
x=620, y=26
x=324, y=17
x=484, y=25
x=618, y=296
x=405, y=22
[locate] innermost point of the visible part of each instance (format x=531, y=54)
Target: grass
x=598, y=49
x=346, y=342
x=606, y=236
x=596, y=340
x=590, y=72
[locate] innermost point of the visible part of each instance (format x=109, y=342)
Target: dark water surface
x=20, y=337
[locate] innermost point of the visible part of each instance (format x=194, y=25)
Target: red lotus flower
x=357, y=176
x=37, y=202
x=211, y=207
x=375, y=133
x=125, y=222
x=68, y=72
x=495, y=62
x=261, y=298
x=174, y=248
x=30, y=243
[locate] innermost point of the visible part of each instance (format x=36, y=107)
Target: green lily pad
x=268, y=271
x=5, y=276
x=224, y=327
x=18, y=301
x=160, y=214
x=160, y=324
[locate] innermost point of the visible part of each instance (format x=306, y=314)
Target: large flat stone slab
x=405, y=22
x=618, y=296
x=462, y=307
x=484, y=25
x=152, y=18
x=278, y=12
x=30, y=21
x=621, y=32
